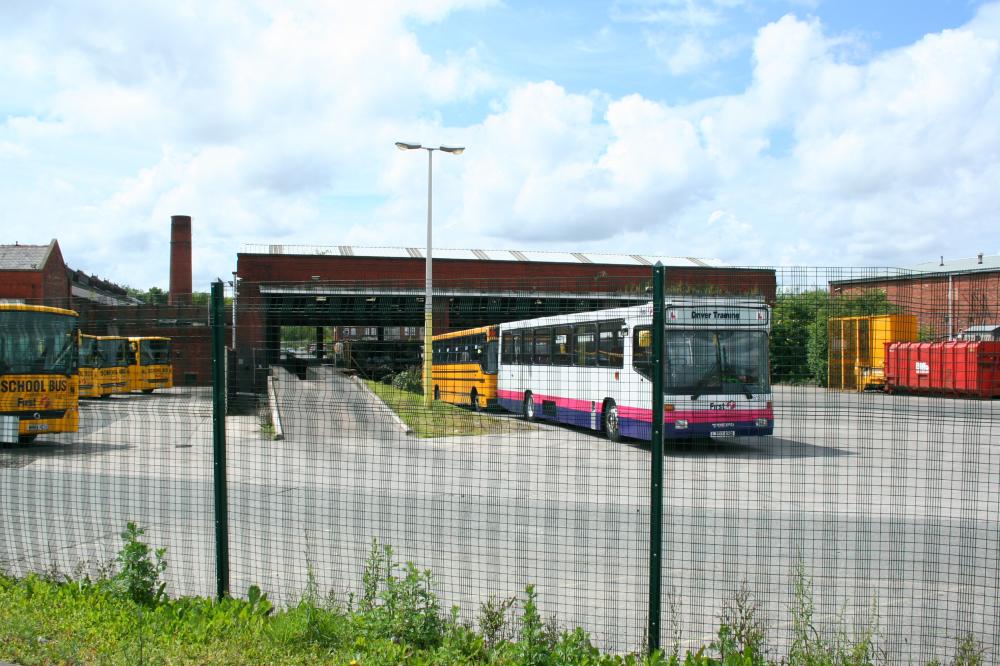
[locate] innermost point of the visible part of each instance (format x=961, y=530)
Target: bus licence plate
x=722, y=433
x=37, y=427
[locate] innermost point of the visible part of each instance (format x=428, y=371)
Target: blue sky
x=790, y=132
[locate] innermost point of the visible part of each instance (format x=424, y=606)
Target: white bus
x=592, y=369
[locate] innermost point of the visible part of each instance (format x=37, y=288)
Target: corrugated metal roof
x=488, y=255
x=23, y=257
x=976, y=263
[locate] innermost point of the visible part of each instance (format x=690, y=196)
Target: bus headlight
x=761, y=423
x=680, y=424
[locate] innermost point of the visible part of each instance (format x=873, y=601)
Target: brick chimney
x=180, y=260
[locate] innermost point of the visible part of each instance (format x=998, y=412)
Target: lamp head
x=402, y=145
x=454, y=150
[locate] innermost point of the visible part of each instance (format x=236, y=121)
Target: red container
x=960, y=367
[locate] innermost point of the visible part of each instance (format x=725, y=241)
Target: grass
x=441, y=419
x=124, y=617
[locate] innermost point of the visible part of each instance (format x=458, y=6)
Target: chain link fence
x=829, y=470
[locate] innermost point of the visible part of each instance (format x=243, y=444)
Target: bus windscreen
x=697, y=362
x=155, y=352
x=37, y=343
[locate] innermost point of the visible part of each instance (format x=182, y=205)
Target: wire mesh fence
x=829, y=458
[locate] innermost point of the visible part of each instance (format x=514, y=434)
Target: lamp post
x=428, y=279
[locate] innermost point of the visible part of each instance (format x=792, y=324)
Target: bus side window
x=516, y=348
x=585, y=345
x=507, y=348
x=527, y=347
x=562, y=347
x=488, y=360
x=611, y=346
x=543, y=346
x=642, y=351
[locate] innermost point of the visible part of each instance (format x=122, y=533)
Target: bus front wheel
x=612, y=427
x=528, y=408
x=26, y=439
x=147, y=391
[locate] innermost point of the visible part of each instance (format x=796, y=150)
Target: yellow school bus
x=38, y=371
x=115, y=354
x=464, y=367
x=90, y=365
x=104, y=362
x=149, y=364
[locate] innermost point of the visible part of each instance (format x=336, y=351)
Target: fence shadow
x=774, y=448
x=15, y=456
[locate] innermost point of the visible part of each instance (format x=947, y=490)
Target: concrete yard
x=890, y=500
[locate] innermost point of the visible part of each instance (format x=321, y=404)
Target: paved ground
x=887, y=500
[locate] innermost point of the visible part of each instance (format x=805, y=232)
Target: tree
x=800, y=330
x=791, y=331
x=154, y=296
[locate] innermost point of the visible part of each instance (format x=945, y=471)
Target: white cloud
x=256, y=119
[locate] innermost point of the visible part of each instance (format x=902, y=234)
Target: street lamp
x=428, y=286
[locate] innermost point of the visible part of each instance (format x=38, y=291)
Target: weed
x=969, y=651
x=494, y=621
x=139, y=577
x=401, y=608
x=810, y=646
x=741, y=628
x=537, y=639
x=673, y=615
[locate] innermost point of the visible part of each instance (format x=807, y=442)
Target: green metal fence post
x=219, y=441
x=656, y=467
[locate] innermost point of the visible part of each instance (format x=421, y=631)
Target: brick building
x=38, y=274
x=383, y=288
x=34, y=274
x=946, y=296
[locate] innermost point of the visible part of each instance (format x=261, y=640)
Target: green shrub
x=402, y=608
x=494, y=621
x=742, y=630
x=411, y=380
x=139, y=576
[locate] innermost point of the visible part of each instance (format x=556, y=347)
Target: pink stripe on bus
x=639, y=414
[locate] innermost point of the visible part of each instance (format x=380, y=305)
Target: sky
x=758, y=133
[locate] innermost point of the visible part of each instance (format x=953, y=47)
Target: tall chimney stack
x=180, y=260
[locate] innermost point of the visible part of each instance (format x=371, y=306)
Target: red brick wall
x=55, y=280
x=975, y=300
x=493, y=275
x=26, y=285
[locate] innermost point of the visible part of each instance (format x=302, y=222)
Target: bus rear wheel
x=528, y=408
x=612, y=426
x=147, y=391
x=26, y=439
x=474, y=400
x=437, y=393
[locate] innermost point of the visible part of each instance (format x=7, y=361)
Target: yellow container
x=856, y=351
